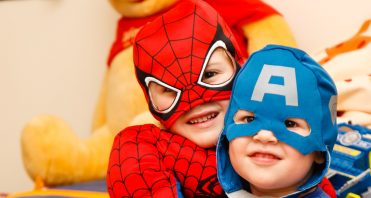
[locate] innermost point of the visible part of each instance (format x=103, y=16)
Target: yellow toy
x=50, y=148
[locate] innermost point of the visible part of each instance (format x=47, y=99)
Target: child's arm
x=135, y=166
x=144, y=159
x=194, y=166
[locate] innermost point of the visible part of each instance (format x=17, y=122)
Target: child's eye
x=298, y=125
x=249, y=119
x=219, y=69
x=243, y=117
x=168, y=90
x=290, y=124
x=162, y=97
x=209, y=74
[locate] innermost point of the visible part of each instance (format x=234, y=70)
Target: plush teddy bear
x=53, y=152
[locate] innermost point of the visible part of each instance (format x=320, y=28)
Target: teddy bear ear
x=134, y=9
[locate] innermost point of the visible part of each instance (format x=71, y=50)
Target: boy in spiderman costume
x=185, y=62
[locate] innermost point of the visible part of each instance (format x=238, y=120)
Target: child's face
x=203, y=123
x=270, y=166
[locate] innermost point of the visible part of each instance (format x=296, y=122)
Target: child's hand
x=135, y=166
x=194, y=166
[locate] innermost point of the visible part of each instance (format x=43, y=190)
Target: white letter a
x=288, y=89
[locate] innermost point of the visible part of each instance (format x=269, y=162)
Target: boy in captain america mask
x=280, y=127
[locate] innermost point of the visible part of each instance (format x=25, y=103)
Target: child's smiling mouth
x=198, y=119
x=264, y=158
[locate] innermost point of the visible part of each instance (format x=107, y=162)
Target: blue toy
x=350, y=164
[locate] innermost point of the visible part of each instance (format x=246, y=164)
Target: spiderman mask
x=172, y=54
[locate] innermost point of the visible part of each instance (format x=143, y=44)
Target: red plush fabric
x=146, y=161
x=236, y=13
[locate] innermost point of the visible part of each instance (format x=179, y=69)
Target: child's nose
x=265, y=136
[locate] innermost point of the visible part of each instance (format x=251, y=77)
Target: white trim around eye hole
x=177, y=91
x=217, y=44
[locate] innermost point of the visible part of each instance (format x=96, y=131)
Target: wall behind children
x=52, y=60
x=53, y=55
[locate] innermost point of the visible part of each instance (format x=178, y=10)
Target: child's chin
x=206, y=140
x=207, y=144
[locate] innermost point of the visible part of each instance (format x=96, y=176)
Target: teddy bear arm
x=125, y=98
x=53, y=152
x=145, y=118
x=269, y=30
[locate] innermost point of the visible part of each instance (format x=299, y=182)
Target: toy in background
x=350, y=164
x=349, y=64
x=50, y=148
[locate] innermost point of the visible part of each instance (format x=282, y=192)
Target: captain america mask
x=173, y=51
x=279, y=83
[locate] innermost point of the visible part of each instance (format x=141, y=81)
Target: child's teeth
x=264, y=155
x=203, y=119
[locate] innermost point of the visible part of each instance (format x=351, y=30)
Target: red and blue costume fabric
x=172, y=51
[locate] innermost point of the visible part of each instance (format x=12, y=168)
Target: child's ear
x=319, y=157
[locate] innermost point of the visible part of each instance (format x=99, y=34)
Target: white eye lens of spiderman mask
x=163, y=97
x=219, y=67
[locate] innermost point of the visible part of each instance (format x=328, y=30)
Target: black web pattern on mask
x=178, y=69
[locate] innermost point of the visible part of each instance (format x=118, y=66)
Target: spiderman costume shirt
x=275, y=84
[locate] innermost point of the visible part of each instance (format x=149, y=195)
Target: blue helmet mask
x=278, y=83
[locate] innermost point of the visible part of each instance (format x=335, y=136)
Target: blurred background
x=53, y=57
